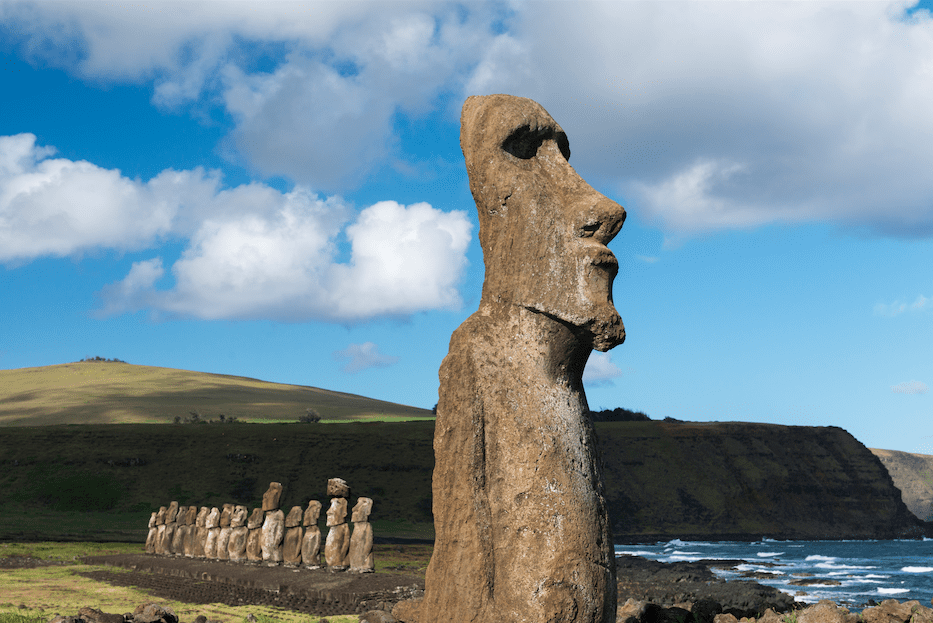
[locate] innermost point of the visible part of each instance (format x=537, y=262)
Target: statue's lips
x=600, y=256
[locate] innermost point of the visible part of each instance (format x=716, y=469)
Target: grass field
x=36, y=595
x=120, y=393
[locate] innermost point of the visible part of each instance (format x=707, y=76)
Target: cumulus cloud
x=600, y=370
x=250, y=251
x=700, y=115
x=910, y=387
x=363, y=356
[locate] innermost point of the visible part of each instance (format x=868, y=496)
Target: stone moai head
x=152, y=519
x=213, y=518
x=238, y=518
x=312, y=513
x=192, y=517
x=160, y=516
x=171, y=513
x=255, y=519
x=337, y=513
x=226, y=515
x=270, y=499
x=543, y=229
x=364, y=506
x=201, y=520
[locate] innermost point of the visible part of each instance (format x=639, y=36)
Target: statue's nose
x=598, y=216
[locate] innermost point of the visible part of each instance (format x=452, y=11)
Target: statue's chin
x=607, y=330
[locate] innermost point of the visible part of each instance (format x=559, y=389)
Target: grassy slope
x=112, y=393
x=913, y=475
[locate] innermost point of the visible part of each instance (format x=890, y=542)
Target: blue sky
x=277, y=191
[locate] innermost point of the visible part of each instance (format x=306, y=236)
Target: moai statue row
x=267, y=535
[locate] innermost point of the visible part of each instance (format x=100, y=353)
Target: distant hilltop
x=120, y=393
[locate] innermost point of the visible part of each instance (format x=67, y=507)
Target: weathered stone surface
x=361, y=548
x=160, y=516
x=171, y=514
x=226, y=514
x=337, y=546
x=311, y=547
x=312, y=513
x=178, y=540
x=223, y=543
x=236, y=549
x=522, y=530
x=154, y=613
x=254, y=545
x=823, y=612
x=337, y=513
x=213, y=519
x=191, y=517
x=190, y=545
x=291, y=546
x=361, y=542
x=203, y=512
x=238, y=519
x=152, y=535
x=270, y=499
x=152, y=519
x=377, y=616
x=255, y=519
x=210, y=544
x=273, y=532
x=338, y=488
x=294, y=517
x=168, y=534
x=890, y=611
x=93, y=615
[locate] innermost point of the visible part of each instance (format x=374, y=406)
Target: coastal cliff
x=913, y=475
x=739, y=480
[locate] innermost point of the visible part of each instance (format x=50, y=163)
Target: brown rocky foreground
x=649, y=592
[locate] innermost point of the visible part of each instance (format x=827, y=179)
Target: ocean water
x=865, y=570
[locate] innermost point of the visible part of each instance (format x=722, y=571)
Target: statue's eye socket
x=524, y=142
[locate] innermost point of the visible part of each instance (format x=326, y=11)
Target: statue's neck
x=540, y=342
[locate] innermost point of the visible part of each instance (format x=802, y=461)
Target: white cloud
x=910, y=387
x=600, y=370
x=711, y=115
x=252, y=251
x=700, y=115
x=59, y=207
x=363, y=356
x=897, y=308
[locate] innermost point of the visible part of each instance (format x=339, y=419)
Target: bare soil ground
x=310, y=591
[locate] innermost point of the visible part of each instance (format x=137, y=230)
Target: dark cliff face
x=734, y=480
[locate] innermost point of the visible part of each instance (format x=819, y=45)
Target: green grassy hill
x=95, y=392
x=913, y=475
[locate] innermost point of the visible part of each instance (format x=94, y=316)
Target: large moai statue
x=239, y=534
x=522, y=531
x=223, y=538
x=337, y=544
x=361, y=542
x=311, y=542
x=201, y=531
x=270, y=499
x=254, y=540
x=181, y=530
x=213, y=531
x=171, y=514
x=291, y=547
x=153, y=534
